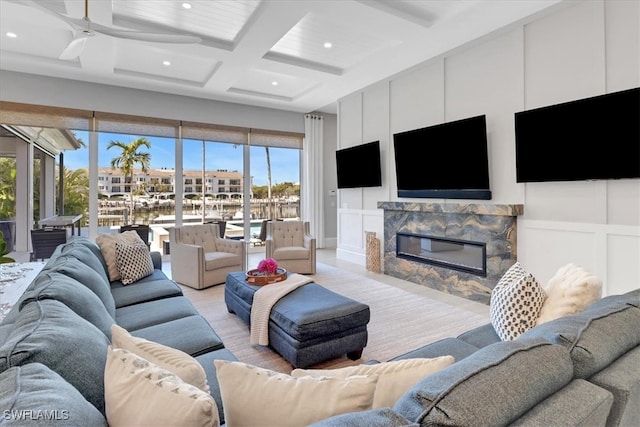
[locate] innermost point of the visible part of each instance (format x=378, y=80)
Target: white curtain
x=312, y=181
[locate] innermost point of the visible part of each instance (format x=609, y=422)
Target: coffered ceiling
x=296, y=55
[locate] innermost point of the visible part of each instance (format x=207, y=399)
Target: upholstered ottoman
x=307, y=326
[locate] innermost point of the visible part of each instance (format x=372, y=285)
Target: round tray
x=257, y=278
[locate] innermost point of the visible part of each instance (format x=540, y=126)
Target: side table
x=14, y=279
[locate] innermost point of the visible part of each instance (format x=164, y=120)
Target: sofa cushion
x=622, y=378
x=86, y=255
x=515, y=303
x=595, y=337
x=216, y=260
x=193, y=335
x=384, y=417
x=579, y=403
x=151, y=313
x=137, y=393
x=291, y=252
x=394, y=378
x=285, y=400
x=446, y=346
x=503, y=380
x=150, y=288
x=171, y=359
x=49, y=332
x=92, y=246
x=207, y=362
x=481, y=336
x=73, y=294
x=569, y=291
x=134, y=261
x=76, y=269
x=107, y=243
x=34, y=394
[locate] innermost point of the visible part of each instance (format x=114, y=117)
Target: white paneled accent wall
x=575, y=50
x=352, y=224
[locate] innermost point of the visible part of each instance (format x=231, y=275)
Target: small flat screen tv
x=588, y=139
x=448, y=161
x=359, y=166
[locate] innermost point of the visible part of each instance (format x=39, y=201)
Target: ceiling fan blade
x=86, y=26
x=44, y=7
x=75, y=48
x=144, y=36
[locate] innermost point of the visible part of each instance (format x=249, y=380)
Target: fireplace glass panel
x=461, y=255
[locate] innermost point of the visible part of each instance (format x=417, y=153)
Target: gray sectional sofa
x=53, y=343
x=580, y=370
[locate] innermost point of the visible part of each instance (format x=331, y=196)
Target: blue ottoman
x=309, y=325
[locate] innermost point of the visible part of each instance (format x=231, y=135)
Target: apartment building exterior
x=221, y=184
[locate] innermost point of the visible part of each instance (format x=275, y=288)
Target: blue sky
x=285, y=163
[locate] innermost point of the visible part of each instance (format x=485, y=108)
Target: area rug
x=401, y=321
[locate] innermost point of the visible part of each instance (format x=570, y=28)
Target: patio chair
x=45, y=241
x=222, y=224
x=141, y=229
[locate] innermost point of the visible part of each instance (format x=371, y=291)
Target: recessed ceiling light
x=167, y=63
x=11, y=35
x=327, y=45
x=274, y=83
x=186, y=5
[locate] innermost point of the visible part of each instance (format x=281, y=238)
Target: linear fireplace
x=459, y=248
x=456, y=254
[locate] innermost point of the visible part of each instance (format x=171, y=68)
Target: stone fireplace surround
x=493, y=224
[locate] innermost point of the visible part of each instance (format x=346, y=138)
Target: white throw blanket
x=264, y=299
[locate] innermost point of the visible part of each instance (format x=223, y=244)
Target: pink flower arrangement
x=268, y=266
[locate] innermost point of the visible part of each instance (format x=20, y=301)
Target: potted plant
x=4, y=251
x=7, y=201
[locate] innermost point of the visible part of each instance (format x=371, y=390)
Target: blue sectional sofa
x=578, y=370
x=53, y=343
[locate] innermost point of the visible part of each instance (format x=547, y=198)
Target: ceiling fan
x=84, y=28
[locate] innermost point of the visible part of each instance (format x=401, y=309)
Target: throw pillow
x=137, y=392
x=394, y=378
x=254, y=396
x=569, y=291
x=134, y=261
x=107, y=243
x=515, y=303
x=171, y=359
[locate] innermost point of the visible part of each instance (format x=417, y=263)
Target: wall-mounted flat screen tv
x=448, y=160
x=359, y=166
x=587, y=139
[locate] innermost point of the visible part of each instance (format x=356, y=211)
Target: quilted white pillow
x=180, y=363
x=515, y=303
x=259, y=397
x=569, y=291
x=134, y=261
x=139, y=393
x=107, y=243
x=394, y=378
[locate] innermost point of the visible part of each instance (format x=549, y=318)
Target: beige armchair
x=290, y=243
x=200, y=258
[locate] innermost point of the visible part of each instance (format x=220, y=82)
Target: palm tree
x=128, y=158
x=76, y=192
x=270, y=208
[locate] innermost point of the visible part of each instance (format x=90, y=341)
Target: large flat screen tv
x=359, y=166
x=587, y=139
x=448, y=160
